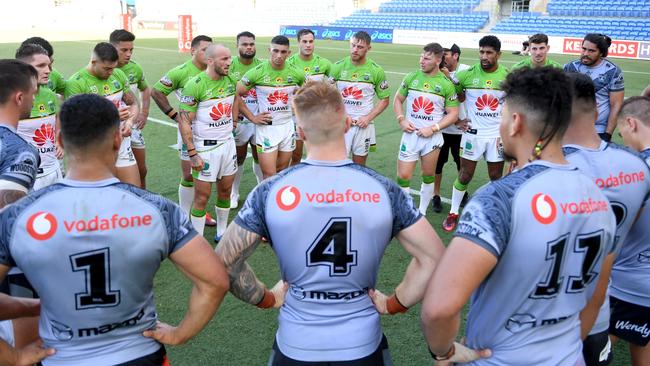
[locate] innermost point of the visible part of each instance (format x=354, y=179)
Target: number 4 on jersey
x=332, y=248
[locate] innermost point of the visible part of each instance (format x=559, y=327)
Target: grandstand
x=447, y=15
x=619, y=19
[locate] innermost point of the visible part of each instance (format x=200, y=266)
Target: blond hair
x=319, y=111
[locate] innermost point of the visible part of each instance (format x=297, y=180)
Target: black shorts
x=381, y=357
x=629, y=321
x=451, y=144
x=597, y=349
x=20, y=287
x=158, y=358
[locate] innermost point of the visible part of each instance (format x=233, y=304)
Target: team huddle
x=553, y=257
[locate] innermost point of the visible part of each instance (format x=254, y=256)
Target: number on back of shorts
x=332, y=248
x=95, y=265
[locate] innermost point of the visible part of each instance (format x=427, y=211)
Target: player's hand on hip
x=125, y=129
x=33, y=353
x=380, y=300
x=425, y=132
x=124, y=113
x=463, y=124
x=280, y=292
x=407, y=126
x=141, y=120
x=197, y=162
x=363, y=122
x=164, y=333
x=263, y=118
x=464, y=354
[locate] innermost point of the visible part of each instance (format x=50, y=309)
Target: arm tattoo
x=9, y=196
x=234, y=248
x=128, y=98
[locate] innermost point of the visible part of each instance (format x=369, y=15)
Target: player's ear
x=517, y=125
x=19, y=98
x=301, y=133
x=117, y=140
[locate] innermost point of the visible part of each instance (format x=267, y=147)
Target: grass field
x=241, y=334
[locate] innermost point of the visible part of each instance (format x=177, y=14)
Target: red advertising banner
x=626, y=49
x=184, y=33
x=126, y=22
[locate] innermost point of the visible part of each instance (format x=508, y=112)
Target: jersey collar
x=84, y=184
x=8, y=126
x=327, y=163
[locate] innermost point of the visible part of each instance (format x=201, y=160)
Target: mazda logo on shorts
x=287, y=198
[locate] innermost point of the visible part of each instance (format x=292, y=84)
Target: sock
x=186, y=195
x=235, y=185
x=405, y=184
x=457, y=196
x=223, y=210
x=257, y=171
x=426, y=193
x=198, y=220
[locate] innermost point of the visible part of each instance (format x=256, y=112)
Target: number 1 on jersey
x=95, y=265
x=332, y=248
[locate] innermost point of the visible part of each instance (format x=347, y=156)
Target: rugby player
x=19, y=162
x=527, y=250
x=102, y=78
x=174, y=81
x=452, y=134
x=360, y=79
x=604, y=162
x=607, y=77
x=275, y=82
x=538, y=54
x=208, y=104
x=56, y=81
x=630, y=289
x=330, y=278
x=123, y=42
x=245, y=130
x=40, y=128
x=424, y=104
x=314, y=66
x=480, y=87
x=100, y=243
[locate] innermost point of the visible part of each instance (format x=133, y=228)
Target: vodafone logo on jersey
x=352, y=92
x=220, y=111
x=544, y=208
x=41, y=225
x=287, y=198
x=44, y=134
x=422, y=104
x=278, y=97
x=487, y=101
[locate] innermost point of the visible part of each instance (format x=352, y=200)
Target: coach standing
x=607, y=78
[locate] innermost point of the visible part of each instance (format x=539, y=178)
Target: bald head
x=320, y=112
x=218, y=58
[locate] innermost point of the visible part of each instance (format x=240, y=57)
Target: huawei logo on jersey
x=41, y=225
x=220, y=110
x=544, y=208
x=352, y=92
x=487, y=100
x=44, y=134
x=278, y=96
x=422, y=104
x=287, y=198
x=252, y=94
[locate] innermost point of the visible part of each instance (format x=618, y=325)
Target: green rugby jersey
x=359, y=85
x=212, y=101
x=527, y=62
x=237, y=71
x=483, y=98
x=40, y=128
x=176, y=78
x=56, y=82
x=275, y=89
x=113, y=88
x=316, y=69
x=426, y=97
